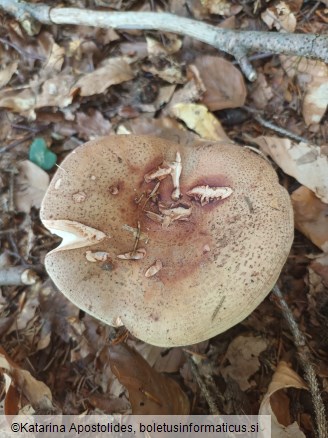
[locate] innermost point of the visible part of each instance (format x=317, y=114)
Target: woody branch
x=233, y=42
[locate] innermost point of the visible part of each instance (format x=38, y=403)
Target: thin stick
x=236, y=43
x=202, y=385
x=307, y=365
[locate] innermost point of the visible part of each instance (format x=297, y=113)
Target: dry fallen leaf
x=221, y=7
x=280, y=17
x=242, y=356
x=7, y=73
x=200, y=120
x=225, y=85
x=111, y=72
x=150, y=393
x=92, y=125
x=312, y=77
x=30, y=186
x=155, y=48
x=37, y=393
x=305, y=162
x=164, y=127
x=191, y=92
x=276, y=403
x=311, y=216
x=260, y=91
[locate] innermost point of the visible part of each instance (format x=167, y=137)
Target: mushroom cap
x=193, y=278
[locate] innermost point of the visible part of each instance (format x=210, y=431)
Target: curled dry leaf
x=179, y=213
x=242, y=356
x=92, y=125
x=133, y=255
x=165, y=68
x=280, y=17
x=305, y=162
x=160, y=173
x=153, y=269
x=197, y=118
x=150, y=393
x=221, y=7
x=276, y=404
x=225, y=85
x=7, y=72
x=112, y=71
x=260, y=91
x=155, y=48
x=311, y=216
x=312, y=77
x=96, y=256
x=37, y=393
x=191, y=92
x=165, y=127
x=31, y=184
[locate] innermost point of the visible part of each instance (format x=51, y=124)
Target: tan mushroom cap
x=196, y=277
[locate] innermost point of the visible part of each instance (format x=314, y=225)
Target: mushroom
x=177, y=283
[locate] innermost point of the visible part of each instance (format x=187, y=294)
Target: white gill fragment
x=133, y=255
x=74, y=234
x=154, y=268
x=160, y=173
x=136, y=232
x=176, y=168
x=79, y=197
x=96, y=256
x=206, y=194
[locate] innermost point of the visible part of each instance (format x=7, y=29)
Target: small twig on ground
x=306, y=362
x=273, y=127
x=236, y=43
x=202, y=385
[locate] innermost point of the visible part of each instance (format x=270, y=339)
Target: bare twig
x=307, y=365
x=202, y=385
x=236, y=43
x=267, y=124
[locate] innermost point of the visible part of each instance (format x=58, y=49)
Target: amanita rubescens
x=178, y=243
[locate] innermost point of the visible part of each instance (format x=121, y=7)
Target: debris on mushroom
x=206, y=248
x=135, y=232
x=160, y=173
x=158, y=218
x=176, y=169
x=154, y=268
x=206, y=194
x=178, y=213
x=79, y=197
x=74, y=234
x=113, y=190
x=96, y=256
x=137, y=254
x=152, y=194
